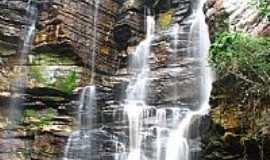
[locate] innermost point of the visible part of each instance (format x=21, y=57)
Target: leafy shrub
x=67, y=84
x=244, y=56
x=263, y=7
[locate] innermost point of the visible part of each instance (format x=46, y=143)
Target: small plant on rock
x=67, y=84
x=263, y=6
x=36, y=120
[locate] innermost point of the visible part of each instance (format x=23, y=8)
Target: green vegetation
x=36, y=73
x=67, y=84
x=47, y=58
x=246, y=58
x=59, y=79
x=263, y=7
x=36, y=120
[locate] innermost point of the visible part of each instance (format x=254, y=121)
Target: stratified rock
x=240, y=16
x=72, y=23
x=47, y=146
x=14, y=144
x=12, y=21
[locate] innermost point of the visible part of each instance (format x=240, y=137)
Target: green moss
x=245, y=57
x=263, y=6
x=36, y=73
x=67, y=84
x=30, y=113
x=40, y=66
x=165, y=19
x=36, y=120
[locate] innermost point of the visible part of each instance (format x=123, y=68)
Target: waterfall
x=87, y=108
x=28, y=35
x=165, y=128
x=136, y=91
x=199, y=50
x=25, y=47
x=94, y=41
x=171, y=123
x=29, y=32
x=79, y=144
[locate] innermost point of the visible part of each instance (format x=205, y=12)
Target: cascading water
x=199, y=50
x=94, y=41
x=29, y=32
x=87, y=107
x=20, y=82
x=79, y=145
x=167, y=125
x=136, y=91
x=171, y=124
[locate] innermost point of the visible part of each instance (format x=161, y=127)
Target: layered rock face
x=169, y=72
x=236, y=131
x=71, y=24
x=68, y=25
x=13, y=20
x=239, y=16
x=63, y=45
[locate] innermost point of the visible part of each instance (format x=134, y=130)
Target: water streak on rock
x=21, y=80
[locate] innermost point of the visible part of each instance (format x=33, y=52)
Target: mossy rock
x=6, y=51
x=165, y=19
x=50, y=58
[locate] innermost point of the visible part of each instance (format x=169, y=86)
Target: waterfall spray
x=135, y=102
x=169, y=126
x=21, y=80
x=79, y=142
x=200, y=49
x=94, y=41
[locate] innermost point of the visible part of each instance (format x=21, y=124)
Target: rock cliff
x=239, y=119
x=61, y=56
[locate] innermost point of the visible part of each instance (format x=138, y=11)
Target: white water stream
x=94, y=41
x=20, y=82
x=79, y=144
x=136, y=91
x=171, y=123
x=172, y=133
x=178, y=146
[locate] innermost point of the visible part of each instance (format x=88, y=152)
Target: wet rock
x=122, y=34
x=132, y=5
x=68, y=25
x=72, y=25
x=47, y=145
x=13, y=20
x=252, y=150
x=239, y=16
x=14, y=156
x=94, y=143
x=14, y=144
